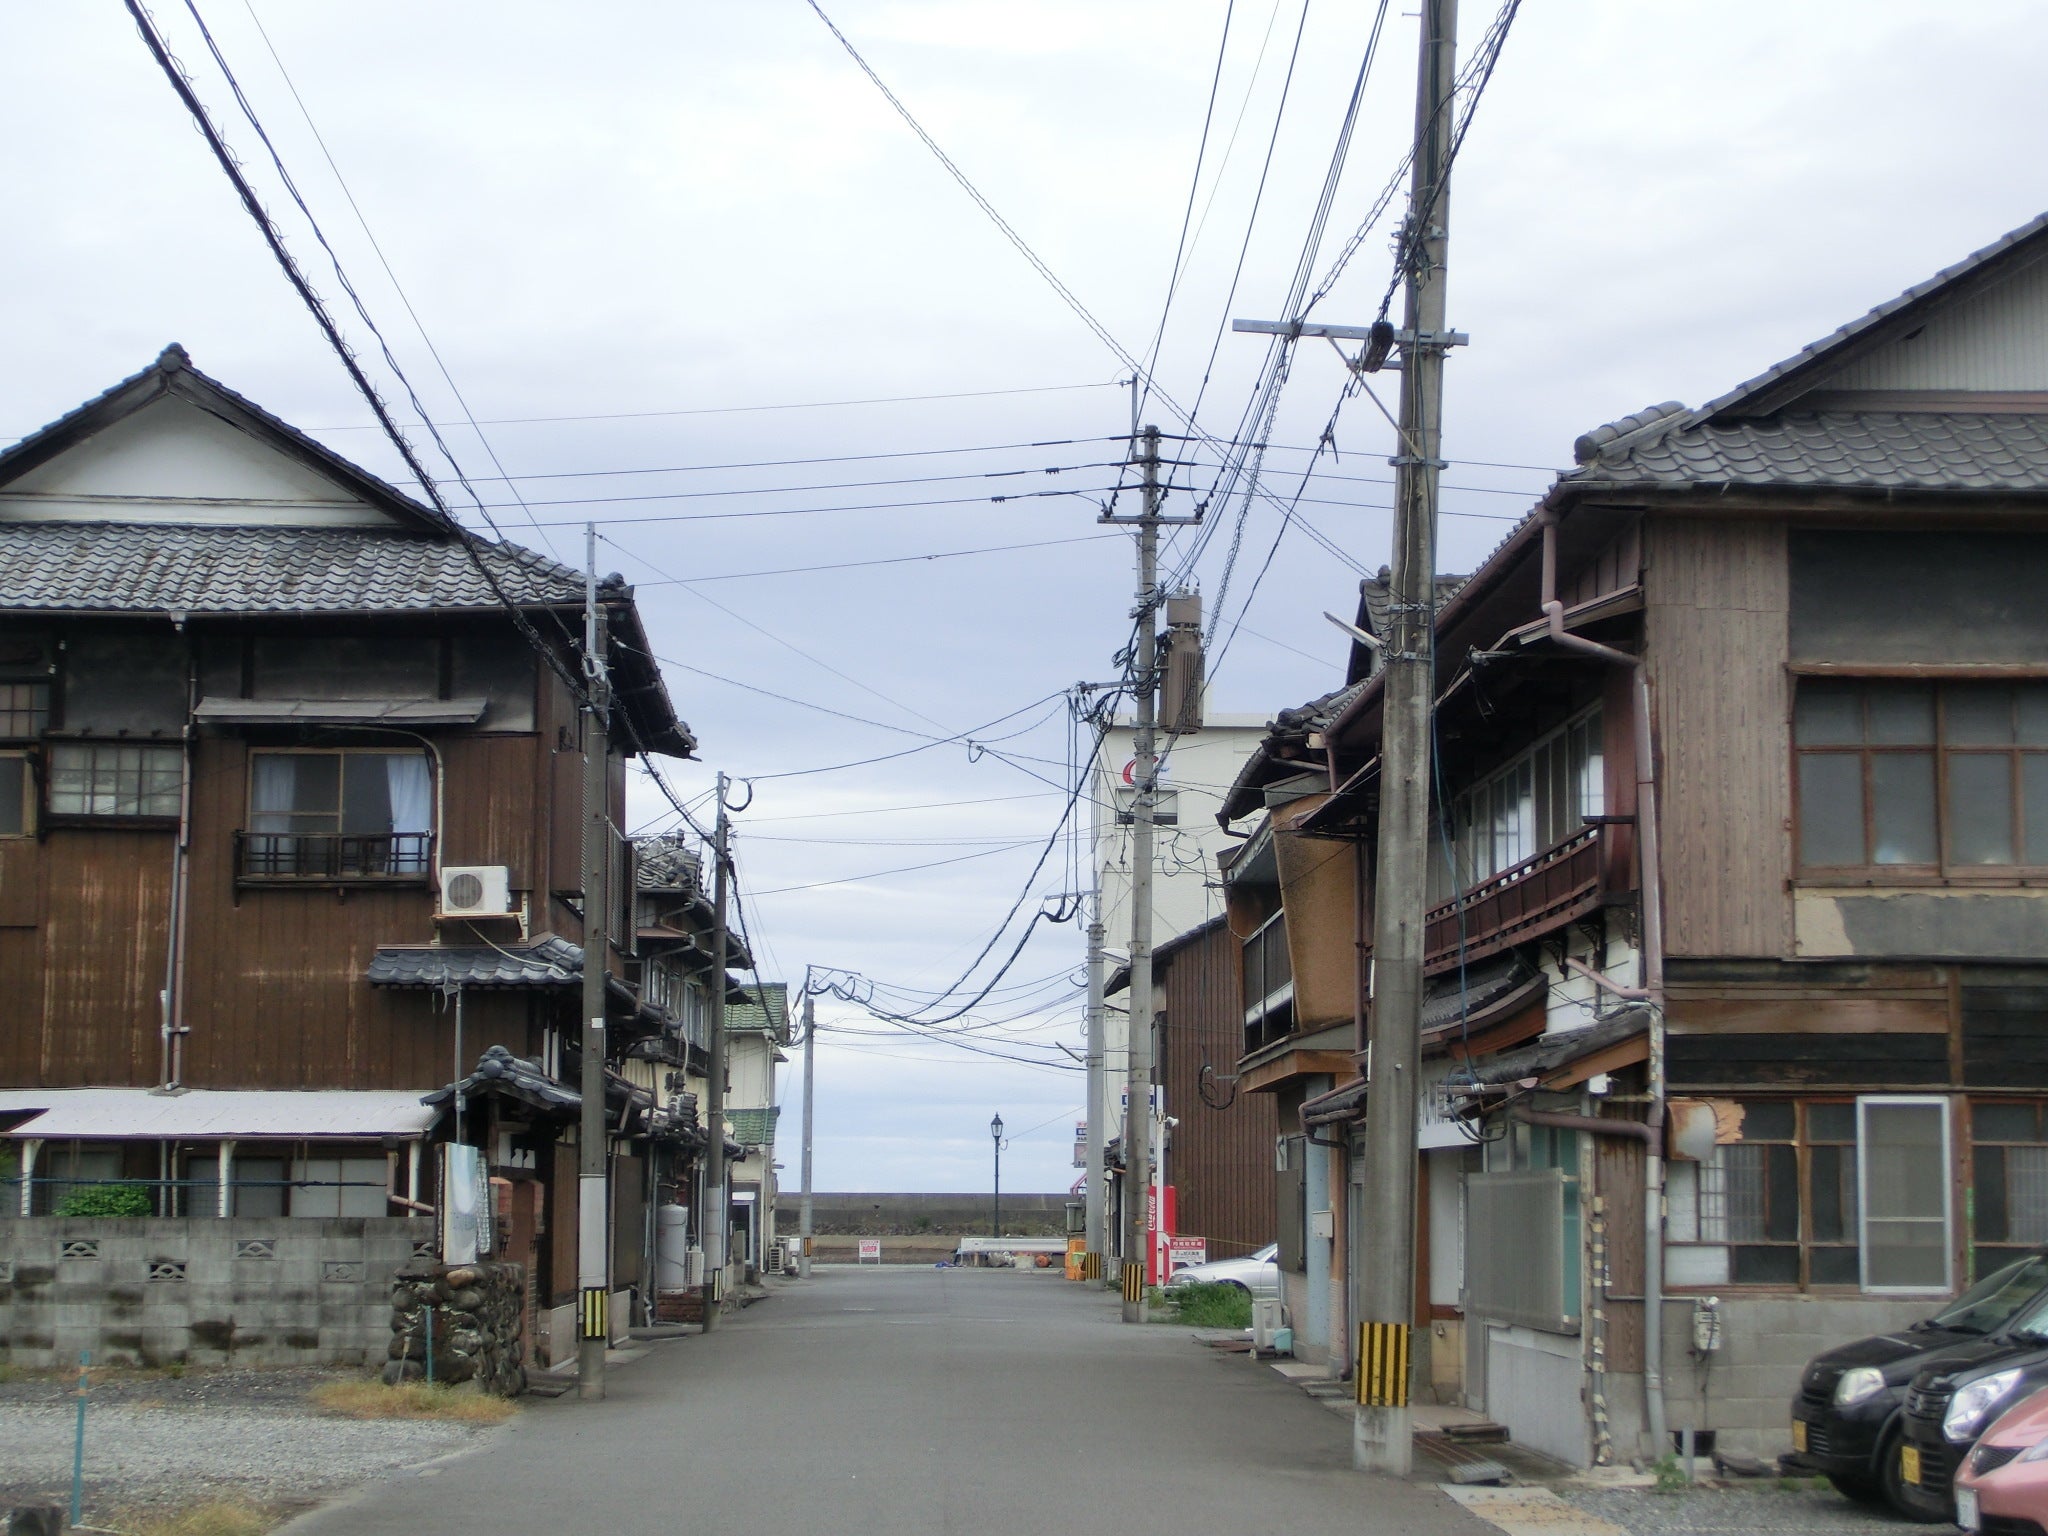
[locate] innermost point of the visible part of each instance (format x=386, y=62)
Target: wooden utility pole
x=803, y=1262
x=593, y=1203
x=713, y=1219
x=1383, y=1248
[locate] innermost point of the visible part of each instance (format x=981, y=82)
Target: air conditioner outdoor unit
x=1268, y=1318
x=693, y=1267
x=476, y=890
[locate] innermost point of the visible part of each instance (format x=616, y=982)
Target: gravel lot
x=1761, y=1507
x=158, y=1441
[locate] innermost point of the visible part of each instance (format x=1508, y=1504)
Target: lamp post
x=995, y=1129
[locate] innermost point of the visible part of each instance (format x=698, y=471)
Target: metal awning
x=400, y=712
x=212, y=1114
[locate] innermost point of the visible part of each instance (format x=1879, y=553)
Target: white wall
x=185, y=467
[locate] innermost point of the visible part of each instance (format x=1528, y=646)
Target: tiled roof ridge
x=1815, y=350
x=1617, y=436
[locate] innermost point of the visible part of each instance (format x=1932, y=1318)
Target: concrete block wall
x=200, y=1291
x=1744, y=1390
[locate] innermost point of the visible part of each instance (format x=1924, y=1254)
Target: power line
x=871, y=506
x=824, y=458
x=468, y=415
x=733, y=410
x=182, y=86
x=790, y=490
x=854, y=565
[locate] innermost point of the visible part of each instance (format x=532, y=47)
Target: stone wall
x=202, y=1291
x=459, y=1322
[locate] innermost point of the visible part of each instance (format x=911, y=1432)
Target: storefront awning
x=212, y=1114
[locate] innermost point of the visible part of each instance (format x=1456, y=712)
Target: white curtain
x=273, y=778
x=411, y=787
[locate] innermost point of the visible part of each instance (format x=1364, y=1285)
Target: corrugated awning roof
x=214, y=1114
x=339, y=711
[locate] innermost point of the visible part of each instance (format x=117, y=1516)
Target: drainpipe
x=172, y=1030
x=1651, y=990
x=29, y=1149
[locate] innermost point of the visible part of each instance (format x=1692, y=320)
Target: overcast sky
x=654, y=241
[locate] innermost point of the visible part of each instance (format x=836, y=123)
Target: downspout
x=171, y=1064
x=1652, y=988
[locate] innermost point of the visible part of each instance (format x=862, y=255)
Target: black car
x=1956, y=1398
x=1848, y=1420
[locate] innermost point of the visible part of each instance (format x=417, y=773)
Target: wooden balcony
x=1531, y=898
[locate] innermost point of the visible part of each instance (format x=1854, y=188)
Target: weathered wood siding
x=1716, y=593
x=1221, y=1161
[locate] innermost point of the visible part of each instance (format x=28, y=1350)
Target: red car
x=2001, y=1488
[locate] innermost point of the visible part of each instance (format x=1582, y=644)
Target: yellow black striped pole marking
x=596, y=1304
x=1134, y=1281
x=1383, y=1365
x=1091, y=1266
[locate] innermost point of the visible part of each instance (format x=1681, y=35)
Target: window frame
x=1944, y=869
x=419, y=865
x=1807, y=1243
x=1864, y=1104
x=53, y=750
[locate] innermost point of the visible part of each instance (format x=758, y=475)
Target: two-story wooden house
x=1743, y=741
x=290, y=833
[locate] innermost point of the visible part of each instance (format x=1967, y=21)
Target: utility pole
x=1384, y=1245
x=803, y=1263
x=1137, y=1133
x=593, y=1203
x=1094, y=1137
x=1137, y=1127
x=715, y=1201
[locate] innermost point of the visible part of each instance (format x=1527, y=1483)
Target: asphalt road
x=913, y=1402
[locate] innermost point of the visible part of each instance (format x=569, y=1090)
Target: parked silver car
x=1258, y=1273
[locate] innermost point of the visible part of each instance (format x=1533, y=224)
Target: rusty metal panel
x=104, y=937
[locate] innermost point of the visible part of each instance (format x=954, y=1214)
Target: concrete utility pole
x=593, y=1204
x=1137, y=1127
x=803, y=1262
x=1095, y=1138
x=1384, y=1245
x=715, y=1201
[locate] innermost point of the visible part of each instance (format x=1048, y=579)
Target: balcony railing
x=286, y=856
x=1559, y=884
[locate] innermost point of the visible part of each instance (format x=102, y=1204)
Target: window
x=1268, y=983
x=1534, y=803
x=2009, y=1147
x=24, y=709
x=17, y=785
x=1905, y=1193
x=103, y=778
x=339, y=1186
x=1818, y=1193
x=338, y=814
x=1921, y=777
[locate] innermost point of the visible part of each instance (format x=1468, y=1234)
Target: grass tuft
x=1211, y=1306
x=414, y=1400
x=216, y=1517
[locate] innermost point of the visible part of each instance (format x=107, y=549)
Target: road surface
x=914, y=1402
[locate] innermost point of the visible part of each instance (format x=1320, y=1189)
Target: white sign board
x=465, y=1204
x=871, y=1250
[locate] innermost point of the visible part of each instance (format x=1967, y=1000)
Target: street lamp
x=995, y=1129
